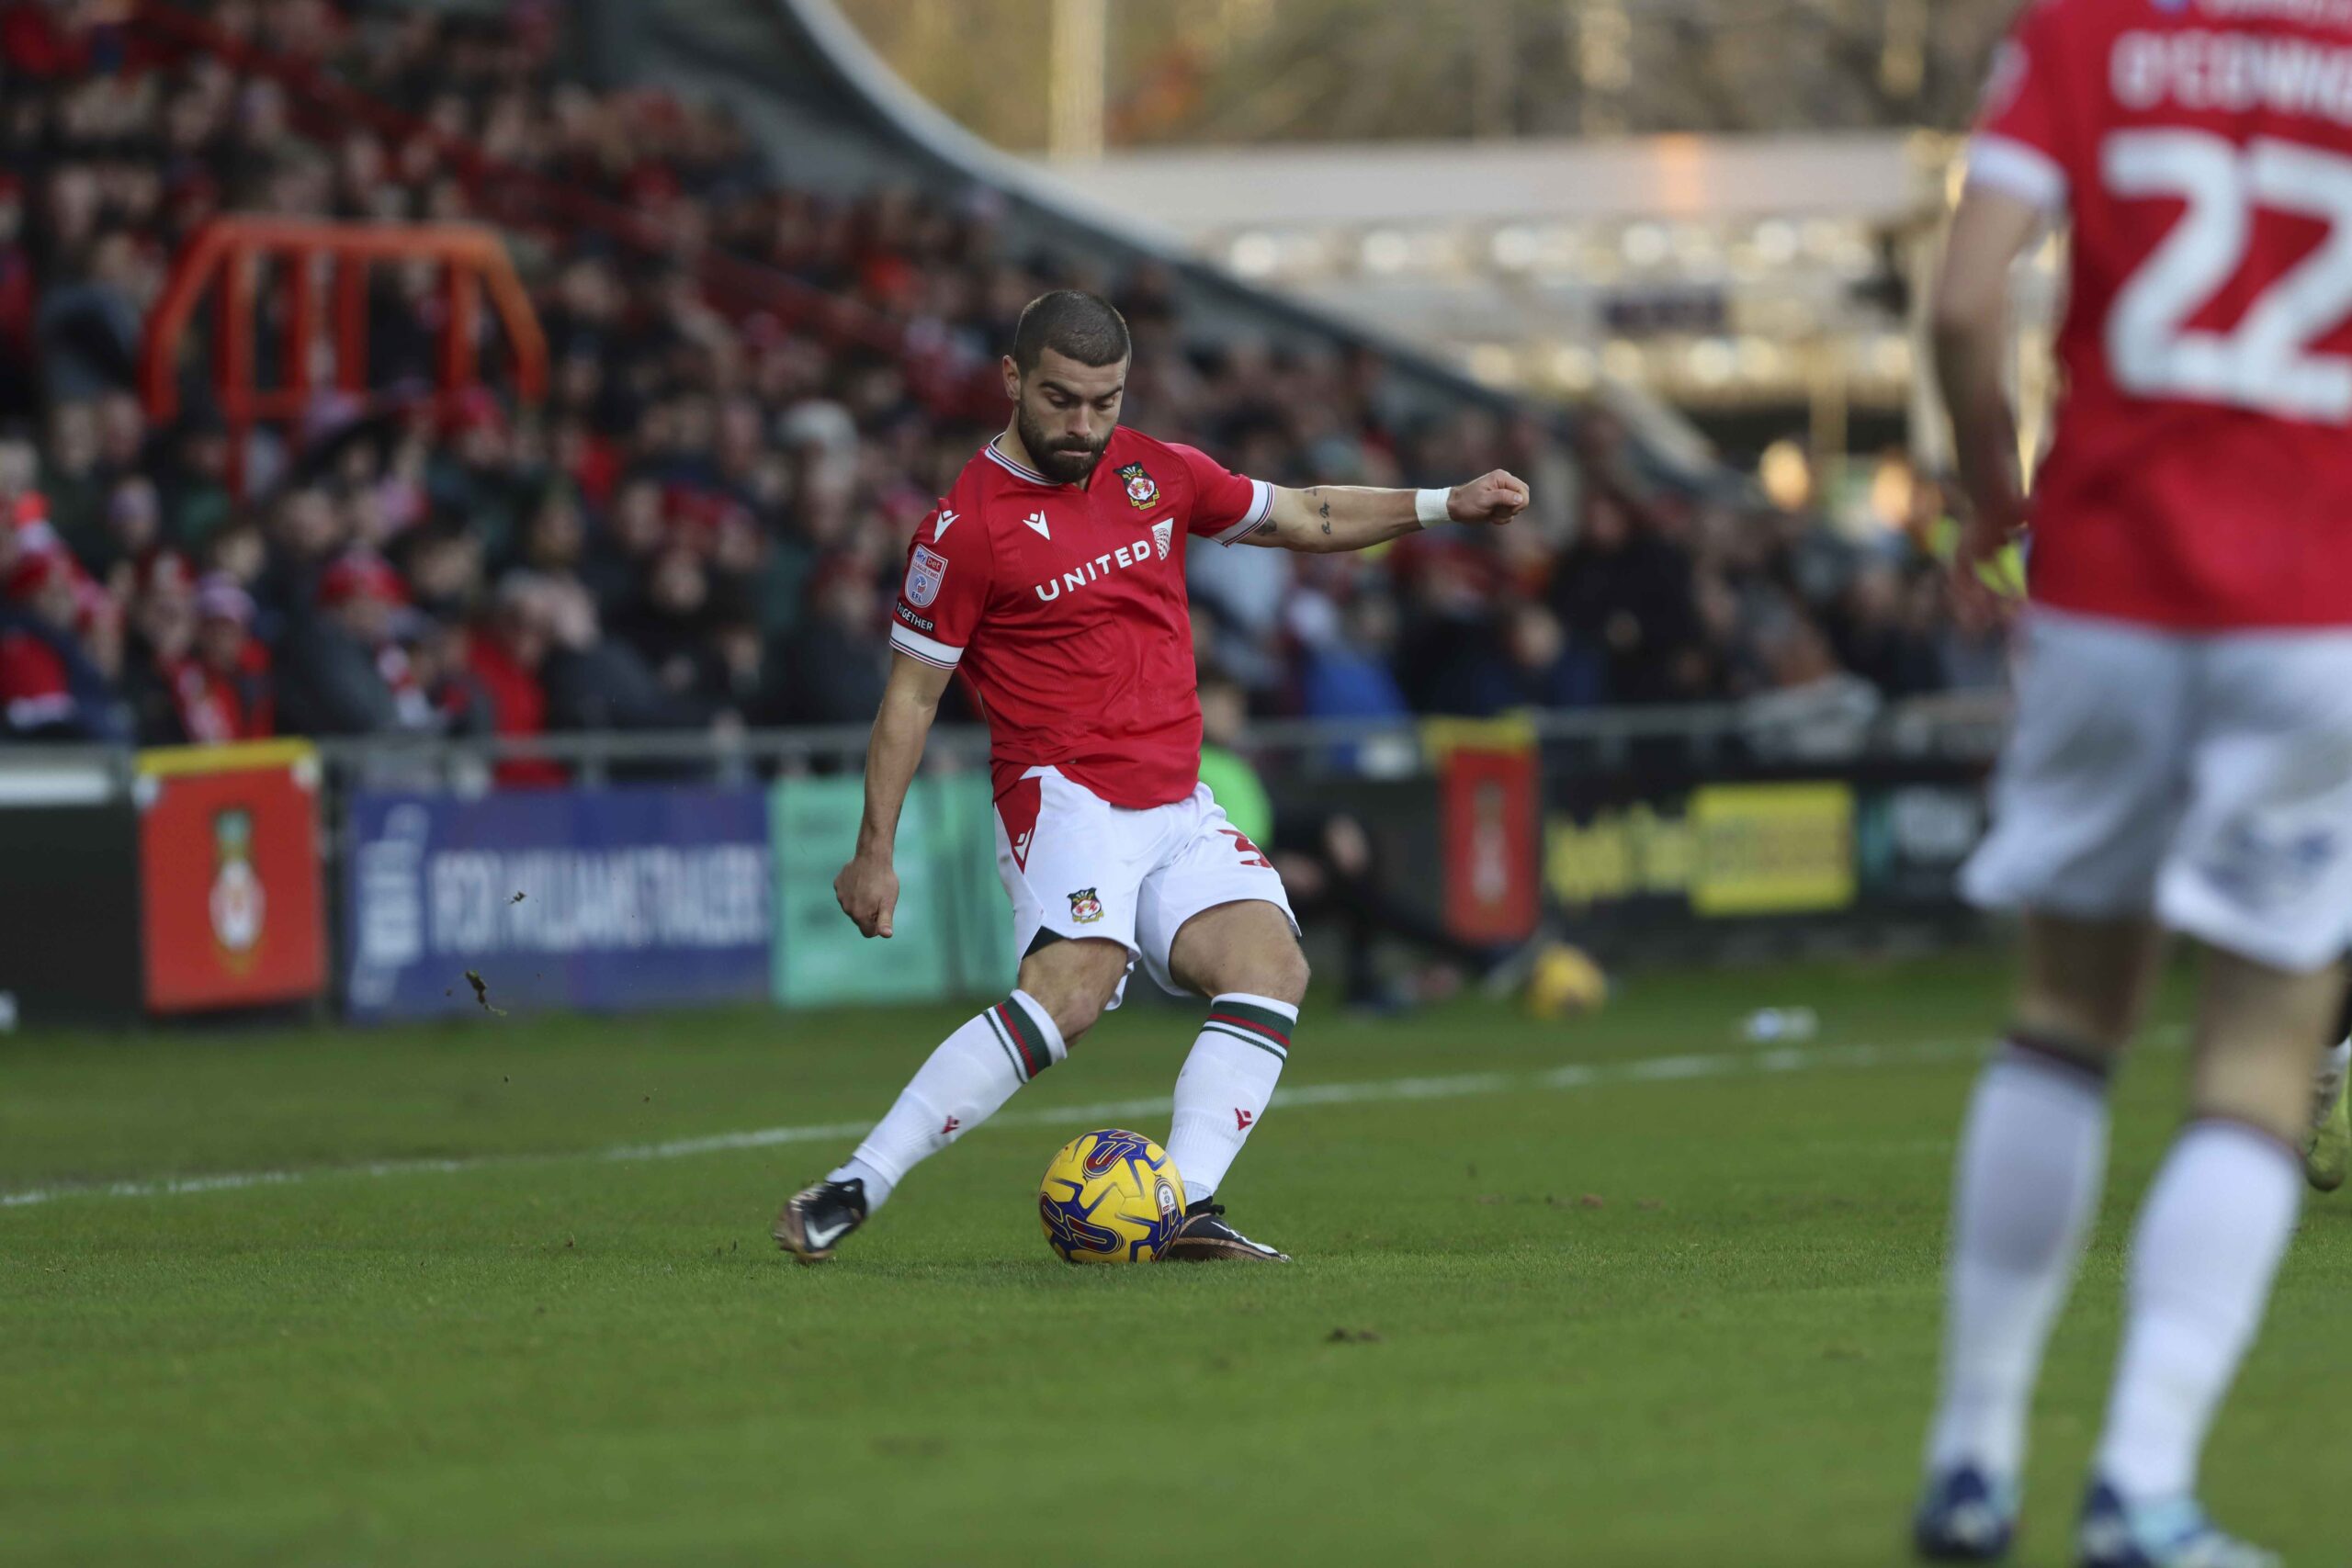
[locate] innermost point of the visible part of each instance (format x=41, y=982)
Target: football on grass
x=1111, y=1197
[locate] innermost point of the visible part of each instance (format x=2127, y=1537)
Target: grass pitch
x=1626, y=1291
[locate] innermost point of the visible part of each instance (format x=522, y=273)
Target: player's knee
x=2255, y=1052
x=1074, y=1012
x=2089, y=1028
x=1074, y=983
x=1279, y=976
x=2253, y=1082
x=1296, y=973
x=1071, y=999
x=2086, y=982
x=2267, y=1102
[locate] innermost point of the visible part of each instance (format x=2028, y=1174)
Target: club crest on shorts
x=1143, y=490
x=1162, y=532
x=1084, y=907
x=924, y=574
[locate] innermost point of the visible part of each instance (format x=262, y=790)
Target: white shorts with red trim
x=1079, y=867
x=2205, y=782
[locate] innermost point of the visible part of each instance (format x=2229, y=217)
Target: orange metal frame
x=228, y=251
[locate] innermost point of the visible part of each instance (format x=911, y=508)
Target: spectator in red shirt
x=35, y=696
x=507, y=655
x=48, y=688
x=222, y=689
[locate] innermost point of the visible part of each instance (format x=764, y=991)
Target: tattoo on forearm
x=1324, y=508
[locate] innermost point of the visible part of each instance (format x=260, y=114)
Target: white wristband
x=1428, y=506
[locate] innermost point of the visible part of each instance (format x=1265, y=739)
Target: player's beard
x=1064, y=462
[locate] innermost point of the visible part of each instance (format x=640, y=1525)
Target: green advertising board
x=953, y=928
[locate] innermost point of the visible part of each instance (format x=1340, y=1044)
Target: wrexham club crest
x=1143, y=490
x=236, y=902
x=1084, y=907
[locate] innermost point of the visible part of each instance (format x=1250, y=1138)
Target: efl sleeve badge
x=924, y=574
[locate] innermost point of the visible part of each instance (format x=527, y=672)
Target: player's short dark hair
x=1072, y=322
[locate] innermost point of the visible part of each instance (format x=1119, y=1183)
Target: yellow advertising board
x=1772, y=849
x=1636, y=852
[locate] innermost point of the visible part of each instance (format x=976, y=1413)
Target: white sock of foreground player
x=2031, y=1162
x=2216, y=1223
x=1225, y=1086
x=971, y=1075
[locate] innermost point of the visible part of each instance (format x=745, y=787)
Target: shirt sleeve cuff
x=1262, y=506
x=2005, y=163
x=914, y=645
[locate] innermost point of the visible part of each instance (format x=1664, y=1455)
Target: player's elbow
x=902, y=723
x=1967, y=338
x=1311, y=536
x=909, y=707
x=914, y=689
x=1962, y=318
x=1292, y=526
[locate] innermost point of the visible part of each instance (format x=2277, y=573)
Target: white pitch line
x=1650, y=1069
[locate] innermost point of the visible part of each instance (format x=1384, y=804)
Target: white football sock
x=971, y=1075
x=2333, y=1066
x=1225, y=1086
x=2031, y=1162
x=2216, y=1223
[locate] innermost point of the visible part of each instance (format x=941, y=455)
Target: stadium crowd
x=702, y=523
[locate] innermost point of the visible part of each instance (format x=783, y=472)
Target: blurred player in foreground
x=2183, y=752
x=1053, y=576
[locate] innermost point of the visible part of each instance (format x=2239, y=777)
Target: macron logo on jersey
x=1037, y=520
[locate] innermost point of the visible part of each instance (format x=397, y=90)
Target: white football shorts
x=2203, y=780
x=1077, y=867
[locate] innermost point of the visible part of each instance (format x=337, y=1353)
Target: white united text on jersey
x=1088, y=572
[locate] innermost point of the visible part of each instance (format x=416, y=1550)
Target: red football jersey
x=2200, y=477
x=1065, y=606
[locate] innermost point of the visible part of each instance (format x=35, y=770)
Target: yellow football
x=1564, y=982
x=1111, y=1197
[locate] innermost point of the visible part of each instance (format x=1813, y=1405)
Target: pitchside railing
x=389, y=877
x=1962, y=728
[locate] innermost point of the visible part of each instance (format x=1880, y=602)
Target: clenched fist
x=868, y=891
x=1493, y=498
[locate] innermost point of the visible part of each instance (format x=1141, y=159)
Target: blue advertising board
x=593, y=899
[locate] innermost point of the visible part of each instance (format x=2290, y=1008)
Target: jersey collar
x=1020, y=470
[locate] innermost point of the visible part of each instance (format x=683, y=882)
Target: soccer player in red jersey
x=2183, y=750
x=1052, y=575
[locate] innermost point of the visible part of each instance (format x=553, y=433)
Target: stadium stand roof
x=832, y=113
x=1207, y=191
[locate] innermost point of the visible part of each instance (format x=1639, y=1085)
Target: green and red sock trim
x=1022, y=1039
x=1260, y=1026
